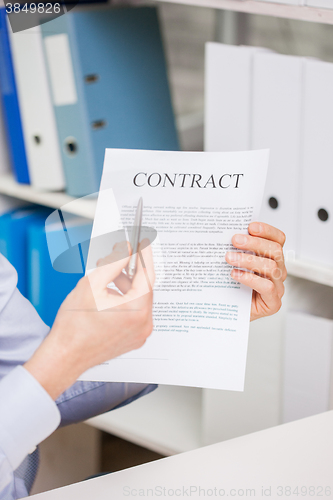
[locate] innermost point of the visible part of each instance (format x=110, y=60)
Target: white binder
x=316, y=239
x=276, y=124
x=38, y=120
x=228, y=94
x=308, y=352
x=4, y=155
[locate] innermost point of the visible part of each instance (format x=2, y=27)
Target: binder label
x=61, y=72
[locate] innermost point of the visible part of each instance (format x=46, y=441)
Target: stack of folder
x=10, y=106
x=49, y=283
x=78, y=84
x=46, y=272
x=69, y=89
x=13, y=239
x=259, y=99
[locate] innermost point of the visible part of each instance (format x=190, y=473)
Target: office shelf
x=86, y=208
x=310, y=271
x=167, y=421
x=264, y=8
x=9, y=187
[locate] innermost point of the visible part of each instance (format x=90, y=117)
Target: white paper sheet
x=196, y=202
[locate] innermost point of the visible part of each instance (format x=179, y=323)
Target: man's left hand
x=266, y=261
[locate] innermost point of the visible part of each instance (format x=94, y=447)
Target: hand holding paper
x=266, y=266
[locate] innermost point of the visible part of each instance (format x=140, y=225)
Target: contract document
x=193, y=203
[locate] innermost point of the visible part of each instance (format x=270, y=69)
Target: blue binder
x=50, y=284
x=119, y=95
x=11, y=110
x=14, y=227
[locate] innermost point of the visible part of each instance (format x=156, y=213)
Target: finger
x=112, y=292
x=264, y=287
x=123, y=283
x=110, y=267
x=262, y=247
x=262, y=230
x=143, y=281
x=119, y=250
x=267, y=268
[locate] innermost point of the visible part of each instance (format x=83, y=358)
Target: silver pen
x=135, y=239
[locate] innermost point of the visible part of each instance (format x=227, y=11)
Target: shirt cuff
x=28, y=415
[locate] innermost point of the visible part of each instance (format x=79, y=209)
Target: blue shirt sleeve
x=27, y=417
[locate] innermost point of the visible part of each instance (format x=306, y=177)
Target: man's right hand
x=95, y=324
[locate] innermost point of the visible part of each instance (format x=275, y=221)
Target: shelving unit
x=167, y=421
x=86, y=208
x=82, y=207
x=310, y=271
x=170, y=420
x=300, y=13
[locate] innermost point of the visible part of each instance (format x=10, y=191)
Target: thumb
x=110, y=267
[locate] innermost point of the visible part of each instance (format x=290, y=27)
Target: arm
x=267, y=266
x=81, y=338
x=22, y=332
x=28, y=416
x=21, y=329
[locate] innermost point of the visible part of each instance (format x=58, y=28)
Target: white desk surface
x=298, y=454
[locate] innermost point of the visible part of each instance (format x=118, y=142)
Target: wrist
x=53, y=366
